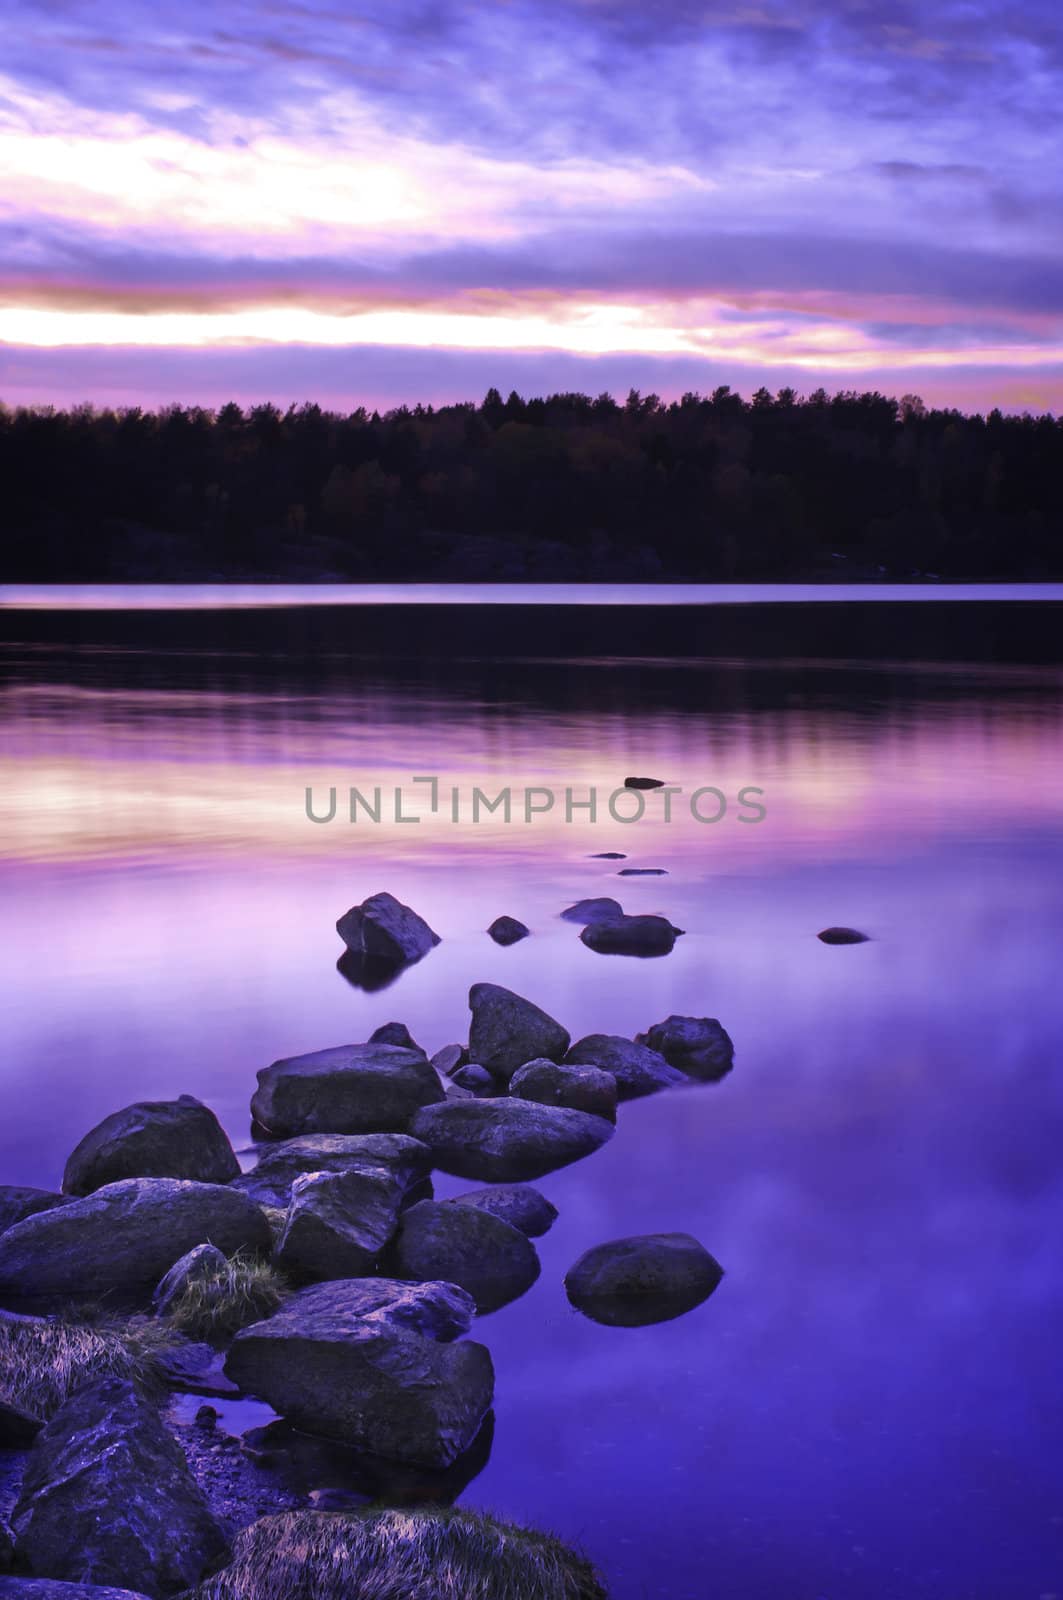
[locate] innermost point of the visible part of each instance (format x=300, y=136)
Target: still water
x=870, y=1406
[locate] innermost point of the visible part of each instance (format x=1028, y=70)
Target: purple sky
x=411, y=201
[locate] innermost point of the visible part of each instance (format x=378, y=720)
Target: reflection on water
x=867, y=1407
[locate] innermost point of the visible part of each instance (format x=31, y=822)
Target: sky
x=391, y=202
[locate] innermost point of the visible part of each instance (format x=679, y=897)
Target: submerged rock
x=152, y=1139
x=631, y=936
x=383, y=929
x=492, y=1260
x=338, y=1223
x=507, y=930
x=636, y=1069
x=352, y=1088
x=697, y=1046
x=581, y=1088
x=125, y=1237
x=107, y=1497
x=643, y=783
x=500, y=1141
x=651, y=1277
x=195, y=1266
x=599, y=909
x=18, y=1203
x=270, y=1180
x=516, y=1203
x=842, y=936
x=508, y=1030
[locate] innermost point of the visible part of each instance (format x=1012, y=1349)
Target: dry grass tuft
x=43, y=1361
x=223, y=1302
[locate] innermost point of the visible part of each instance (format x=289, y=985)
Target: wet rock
x=192, y=1367
x=643, y=872
x=489, y=1258
x=636, y=1069
x=643, y=783
x=351, y=1361
x=107, y=1497
x=206, y=1419
x=651, y=1277
x=338, y=1223
x=507, y=930
x=581, y=1088
x=842, y=936
x=516, y=1203
x=125, y=1237
x=476, y=1079
x=505, y=1141
x=18, y=1428
x=697, y=1046
x=383, y=929
x=599, y=909
x=152, y=1139
x=204, y=1261
x=508, y=1030
x=449, y=1059
x=55, y=1589
x=631, y=936
x=270, y=1181
x=17, y=1203
x=394, y=1033
x=353, y=1088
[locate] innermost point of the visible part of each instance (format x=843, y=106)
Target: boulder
x=516, y=1203
x=507, y=930
x=18, y=1428
x=17, y=1203
x=352, y=1361
x=476, y=1079
x=489, y=1258
x=643, y=783
x=270, y=1181
x=338, y=1223
x=652, y=1277
x=383, y=929
x=506, y=1141
x=107, y=1497
x=507, y=1030
x=152, y=1139
x=599, y=909
x=449, y=1059
x=125, y=1237
x=631, y=936
x=394, y=1033
x=353, y=1088
x=842, y=936
x=697, y=1046
x=581, y=1088
x=204, y=1261
x=55, y=1589
x=636, y=1069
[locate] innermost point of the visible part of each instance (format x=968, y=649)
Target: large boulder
x=152, y=1139
x=489, y=1258
x=599, y=909
x=124, y=1237
x=334, y=1363
x=339, y=1222
x=508, y=930
x=206, y=1261
x=651, y=1277
x=516, y=1203
x=631, y=936
x=636, y=1069
x=697, y=1046
x=17, y=1203
x=383, y=929
x=581, y=1088
x=507, y=1030
x=353, y=1088
x=507, y=1141
x=107, y=1498
x=270, y=1180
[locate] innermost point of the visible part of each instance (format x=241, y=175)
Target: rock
x=636, y=1069
x=643, y=783
x=608, y=855
x=581, y=1088
x=124, y=1237
x=107, y=1497
x=206, y=1419
x=454, y=1091
x=449, y=1059
x=394, y=1033
x=504, y=1141
x=152, y=1139
x=270, y=1181
x=192, y=1367
x=652, y=1277
x=17, y=1203
x=507, y=930
x=643, y=872
x=351, y=1360
x=7, y=1556
x=18, y=1428
x=631, y=936
x=204, y=1261
x=55, y=1589
x=338, y=1223
x=697, y=1046
x=508, y=1030
x=516, y=1203
x=383, y=929
x=353, y=1088
x=842, y=936
x=600, y=909
x=476, y=1079
x=489, y=1258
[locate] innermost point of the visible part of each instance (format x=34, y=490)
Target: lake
x=869, y=1406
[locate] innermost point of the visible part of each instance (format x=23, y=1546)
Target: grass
x=220, y=1303
x=399, y=1555
x=42, y=1362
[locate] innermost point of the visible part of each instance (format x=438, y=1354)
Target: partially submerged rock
x=492, y=1260
x=270, y=1180
x=697, y=1046
x=581, y=1088
x=842, y=936
x=507, y=930
x=516, y=1203
x=383, y=929
x=339, y=1222
x=601, y=908
x=504, y=1141
x=636, y=1069
x=651, y=1277
x=107, y=1497
x=152, y=1139
x=195, y=1266
x=507, y=1030
x=17, y=1203
x=643, y=872
x=352, y=1088
x=643, y=783
x=608, y=855
x=647, y=935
